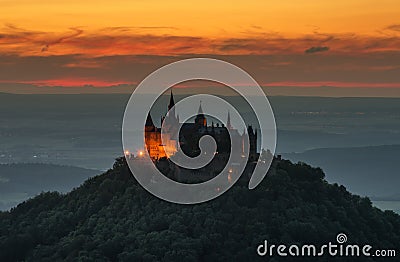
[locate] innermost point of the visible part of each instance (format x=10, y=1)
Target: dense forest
x=111, y=217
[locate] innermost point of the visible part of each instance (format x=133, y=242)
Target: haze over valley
x=351, y=139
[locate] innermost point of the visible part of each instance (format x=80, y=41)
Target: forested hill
x=110, y=217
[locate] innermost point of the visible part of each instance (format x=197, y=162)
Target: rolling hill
x=111, y=217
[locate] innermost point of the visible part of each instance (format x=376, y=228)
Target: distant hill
x=110, y=217
x=364, y=170
x=19, y=182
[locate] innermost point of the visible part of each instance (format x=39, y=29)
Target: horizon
x=327, y=91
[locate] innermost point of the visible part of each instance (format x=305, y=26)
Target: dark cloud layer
x=266, y=69
x=133, y=41
x=112, y=56
x=316, y=49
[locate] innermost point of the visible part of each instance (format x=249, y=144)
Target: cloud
x=375, y=67
x=333, y=84
x=316, y=49
x=63, y=38
x=136, y=28
x=117, y=56
x=30, y=41
x=395, y=27
x=132, y=41
x=76, y=82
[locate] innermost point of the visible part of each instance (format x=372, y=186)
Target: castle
x=191, y=133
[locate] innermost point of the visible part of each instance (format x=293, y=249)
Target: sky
x=298, y=47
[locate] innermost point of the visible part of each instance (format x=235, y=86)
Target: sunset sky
x=348, y=47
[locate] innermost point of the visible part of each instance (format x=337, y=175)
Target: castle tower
x=149, y=126
x=252, y=139
x=171, y=116
x=152, y=138
x=171, y=105
x=200, y=118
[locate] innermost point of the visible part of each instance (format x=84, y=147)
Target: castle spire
x=200, y=118
x=149, y=120
x=171, y=101
x=171, y=108
x=200, y=112
x=149, y=125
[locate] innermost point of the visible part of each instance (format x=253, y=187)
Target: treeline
x=111, y=217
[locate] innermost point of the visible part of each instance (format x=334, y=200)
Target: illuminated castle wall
x=191, y=133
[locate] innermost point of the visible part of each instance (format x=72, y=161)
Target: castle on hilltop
x=191, y=133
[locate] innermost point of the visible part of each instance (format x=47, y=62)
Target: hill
x=18, y=182
x=373, y=165
x=110, y=217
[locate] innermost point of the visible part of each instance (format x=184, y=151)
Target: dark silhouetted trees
x=110, y=217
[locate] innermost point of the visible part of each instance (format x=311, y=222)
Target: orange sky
x=204, y=18
x=47, y=42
